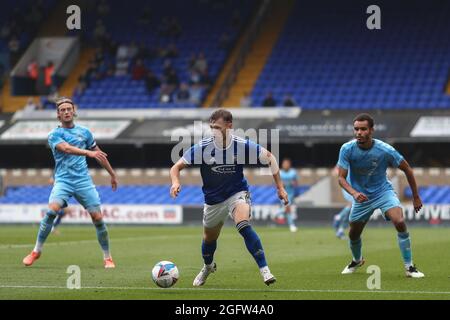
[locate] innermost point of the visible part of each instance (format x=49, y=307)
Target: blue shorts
x=291, y=197
x=362, y=211
x=84, y=192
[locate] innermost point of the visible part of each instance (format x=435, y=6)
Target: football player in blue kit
x=70, y=145
x=221, y=159
x=366, y=159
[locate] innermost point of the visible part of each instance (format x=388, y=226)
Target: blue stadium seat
x=138, y=194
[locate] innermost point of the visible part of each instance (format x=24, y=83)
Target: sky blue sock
x=355, y=246
x=290, y=219
x=102, y=236
x=343, y=217
x=45, y=227
x=208, y=250
x=60, y=214
x=404, y=242
x=252, y=242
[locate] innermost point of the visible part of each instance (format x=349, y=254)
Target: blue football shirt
x=68, y=167
x=289, y=179
x=222, y=168
x=367, y=168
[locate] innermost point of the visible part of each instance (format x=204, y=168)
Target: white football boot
x=200, y=279
x=353, y=266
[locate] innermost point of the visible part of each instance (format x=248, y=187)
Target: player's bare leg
x=209, y=244
x=404, y=241
x=103, y=239
x=252, y=241
x=354, y=234
x=44, y=230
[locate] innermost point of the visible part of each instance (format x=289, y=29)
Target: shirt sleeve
x=91, y=143
x=193, y=155
x=253, y=150
x=54, y=138
x=394, y=157
x=343, y=161
x=295, y=175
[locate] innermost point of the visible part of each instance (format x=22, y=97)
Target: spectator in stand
x=122, y=60
x=122, y=52
x=151, y=81
x=139, y=70
x=49, y=71
x=289, y=101
x=165, y=93
x=33, y=73
x=269, y=101
x=183, y=94
x=246, y=100
x=194, y=77
x=195, y=92
x=201, y=65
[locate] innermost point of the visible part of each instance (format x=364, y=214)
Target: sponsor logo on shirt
x=226, y=168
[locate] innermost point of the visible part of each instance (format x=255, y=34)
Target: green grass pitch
x=307, y=264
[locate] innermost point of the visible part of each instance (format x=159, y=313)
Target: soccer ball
x=165, y=274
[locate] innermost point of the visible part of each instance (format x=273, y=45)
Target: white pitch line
x=69, y=243
x=231, y=290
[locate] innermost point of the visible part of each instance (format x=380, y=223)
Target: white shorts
x=215, y=214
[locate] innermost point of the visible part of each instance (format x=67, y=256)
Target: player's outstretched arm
x=175, y=177
x=417, y=202
x=103, y=161
x=267, y=158
x=69, y=149
x=342, y=179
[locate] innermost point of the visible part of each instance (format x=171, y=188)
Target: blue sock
x=44, y=229
x=208, y=250
x=355, y=246
x=404, y=242
x=343, y=217
x=252, y=242
x=102, y=236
